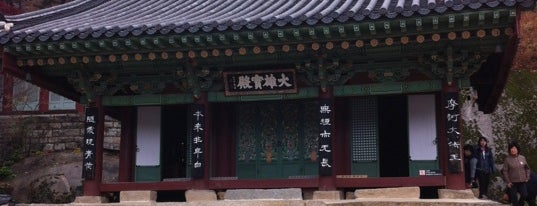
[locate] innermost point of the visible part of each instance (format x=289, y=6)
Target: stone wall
x=52, y=132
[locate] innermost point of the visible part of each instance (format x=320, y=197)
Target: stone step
x=403, y=196
x=356, y=202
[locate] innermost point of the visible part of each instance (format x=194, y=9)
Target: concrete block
x=200, y=195
x=276, y=194
x=397, y=192
x=328, y=195
x=137, y=196
x=455, y=194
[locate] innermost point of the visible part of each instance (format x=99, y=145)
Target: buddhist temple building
x=312, y=94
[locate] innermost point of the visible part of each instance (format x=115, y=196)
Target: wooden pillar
x=91, y=186
x=43, y=100
x=328, y=182
x=127, y=145
x=450, y=138
x=223, y=156
x=342, y=136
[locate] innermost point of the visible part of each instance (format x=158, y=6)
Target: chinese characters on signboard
x=198, y=136
x=90, y=125
x=325, y=137
x=260, y=82
x=453, y=133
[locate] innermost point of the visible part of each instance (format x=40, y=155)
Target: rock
x=66, y=163
x=50, y=189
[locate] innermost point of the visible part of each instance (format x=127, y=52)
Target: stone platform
x=361, y=202
x=404, y=196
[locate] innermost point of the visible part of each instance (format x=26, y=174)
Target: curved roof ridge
x=56, y=12
x=94, y=18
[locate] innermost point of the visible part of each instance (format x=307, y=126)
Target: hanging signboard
x=198, y=136
x=453, y=134
x=260, y=82
x=325, y=137
x=90, y=125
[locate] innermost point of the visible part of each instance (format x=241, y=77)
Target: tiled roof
x=107, y=18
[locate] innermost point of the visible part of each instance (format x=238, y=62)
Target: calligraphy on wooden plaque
x=88, y=148
x=197, y=141
x=325, y=137
x=453, y=134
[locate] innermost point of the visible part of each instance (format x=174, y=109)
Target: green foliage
x=6, y=173
x=16, y=155
x=20, y=140
x=470, y=132
x=5, y=170
x=514, y=119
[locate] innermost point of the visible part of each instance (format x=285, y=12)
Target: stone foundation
x=90, y=200
x=200, y=195
x=328, y=195
x=455, y=194
x=137, y=196
x=268, y=194
x=398, y=192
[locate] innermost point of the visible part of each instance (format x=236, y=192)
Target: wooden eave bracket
x=9, y=66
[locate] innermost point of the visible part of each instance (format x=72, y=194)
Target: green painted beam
x=153, y=99
x=397, y=87
x=388, y=88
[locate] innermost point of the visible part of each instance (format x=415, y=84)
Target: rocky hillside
x=53, y=177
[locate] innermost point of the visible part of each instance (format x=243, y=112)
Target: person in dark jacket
x=470, y=163
x=532, y=189
x=516, y=173
x=485, y=166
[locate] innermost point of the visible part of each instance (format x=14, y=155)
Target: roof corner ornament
x=6, y=26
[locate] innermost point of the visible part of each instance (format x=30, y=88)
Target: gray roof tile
x=107, y=18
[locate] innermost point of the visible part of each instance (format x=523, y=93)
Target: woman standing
x=516, y=174
x=485, y=166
